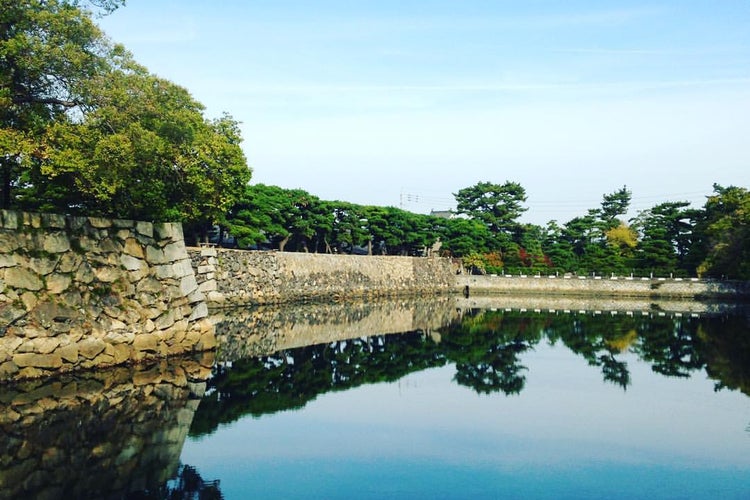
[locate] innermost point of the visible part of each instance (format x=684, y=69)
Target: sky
x=403, y=103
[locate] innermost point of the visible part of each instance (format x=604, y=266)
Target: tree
x=49, y=52
x=87, y=130
x=666, y=237
x=498, y=206
x=461, y=237
x=723, y=234
x=274, y=215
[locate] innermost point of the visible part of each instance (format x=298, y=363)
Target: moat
x=441, y=398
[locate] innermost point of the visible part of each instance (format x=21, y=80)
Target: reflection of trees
x=187, y=485
x=486, y=348
x=289, y=379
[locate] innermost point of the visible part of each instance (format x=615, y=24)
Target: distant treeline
x=670, y=238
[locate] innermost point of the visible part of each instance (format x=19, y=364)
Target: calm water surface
x=465, y=402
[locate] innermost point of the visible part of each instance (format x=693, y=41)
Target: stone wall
x=234, y=277
x=84, y=292
x=600, y=286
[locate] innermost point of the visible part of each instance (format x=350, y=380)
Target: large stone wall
x=84, y=292
x=234, y=277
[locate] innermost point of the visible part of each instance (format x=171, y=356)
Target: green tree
x=666, y=237
x=723, y=234
x=498, y=206
x=271, y=214
x=461, y=237
x=50, y=50
x=87, y=130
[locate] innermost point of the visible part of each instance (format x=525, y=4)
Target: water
x=616, y=400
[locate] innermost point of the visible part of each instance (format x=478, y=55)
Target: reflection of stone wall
x=98, y=435
x=263, y=330
x=82, y=292
x=612, y=287
x=247, y=277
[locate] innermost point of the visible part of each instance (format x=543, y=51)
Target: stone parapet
x=88, y=292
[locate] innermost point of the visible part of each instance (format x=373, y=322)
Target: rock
x=100, y=222
x=58, y=283
x=69, y=353
x=175, y=251
x=37, y=360
x=84, y=274
x=188, y=285
x=107, y=274
x=44, y=345
x=56, y=243
x=145, y=228
x=132, y=263
x=166, y=320
x=90, y=348
x=7, y=370
x=146, y=342
x=17, y=277
x=7, y=260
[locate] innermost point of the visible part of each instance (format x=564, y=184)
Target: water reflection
x=108, y=434
x=120, y=433
x=485, y=347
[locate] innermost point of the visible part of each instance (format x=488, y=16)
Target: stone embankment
x=238, y=277
x=84, y=292
x=602, y=286
x=98, y=434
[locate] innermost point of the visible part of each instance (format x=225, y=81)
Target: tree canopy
x=85, y=129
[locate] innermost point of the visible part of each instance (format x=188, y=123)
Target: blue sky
x=403, y=103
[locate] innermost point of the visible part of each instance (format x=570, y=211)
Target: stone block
x=69, y=353
x=107, y=274
x=155, y=255
x=174, y=252
x=199, y=312
x=7, y=260
x=17, y=277
x=58, y=283
x=100, y=222
x=165, y=320
x=8, y=242
x=56, y=243
x=89, y=348
x=132, y=263
x=44, y=345
x=53, y=221
x=35, y=360
x=84, y=274
x=168, y=231
x=145, y=228
x=10, y=219
x=146, y=342
x=134, y=248
x=188, y=285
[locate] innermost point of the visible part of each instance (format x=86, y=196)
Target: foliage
x=84, y=129
x=723, y=229
x=498, y=206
